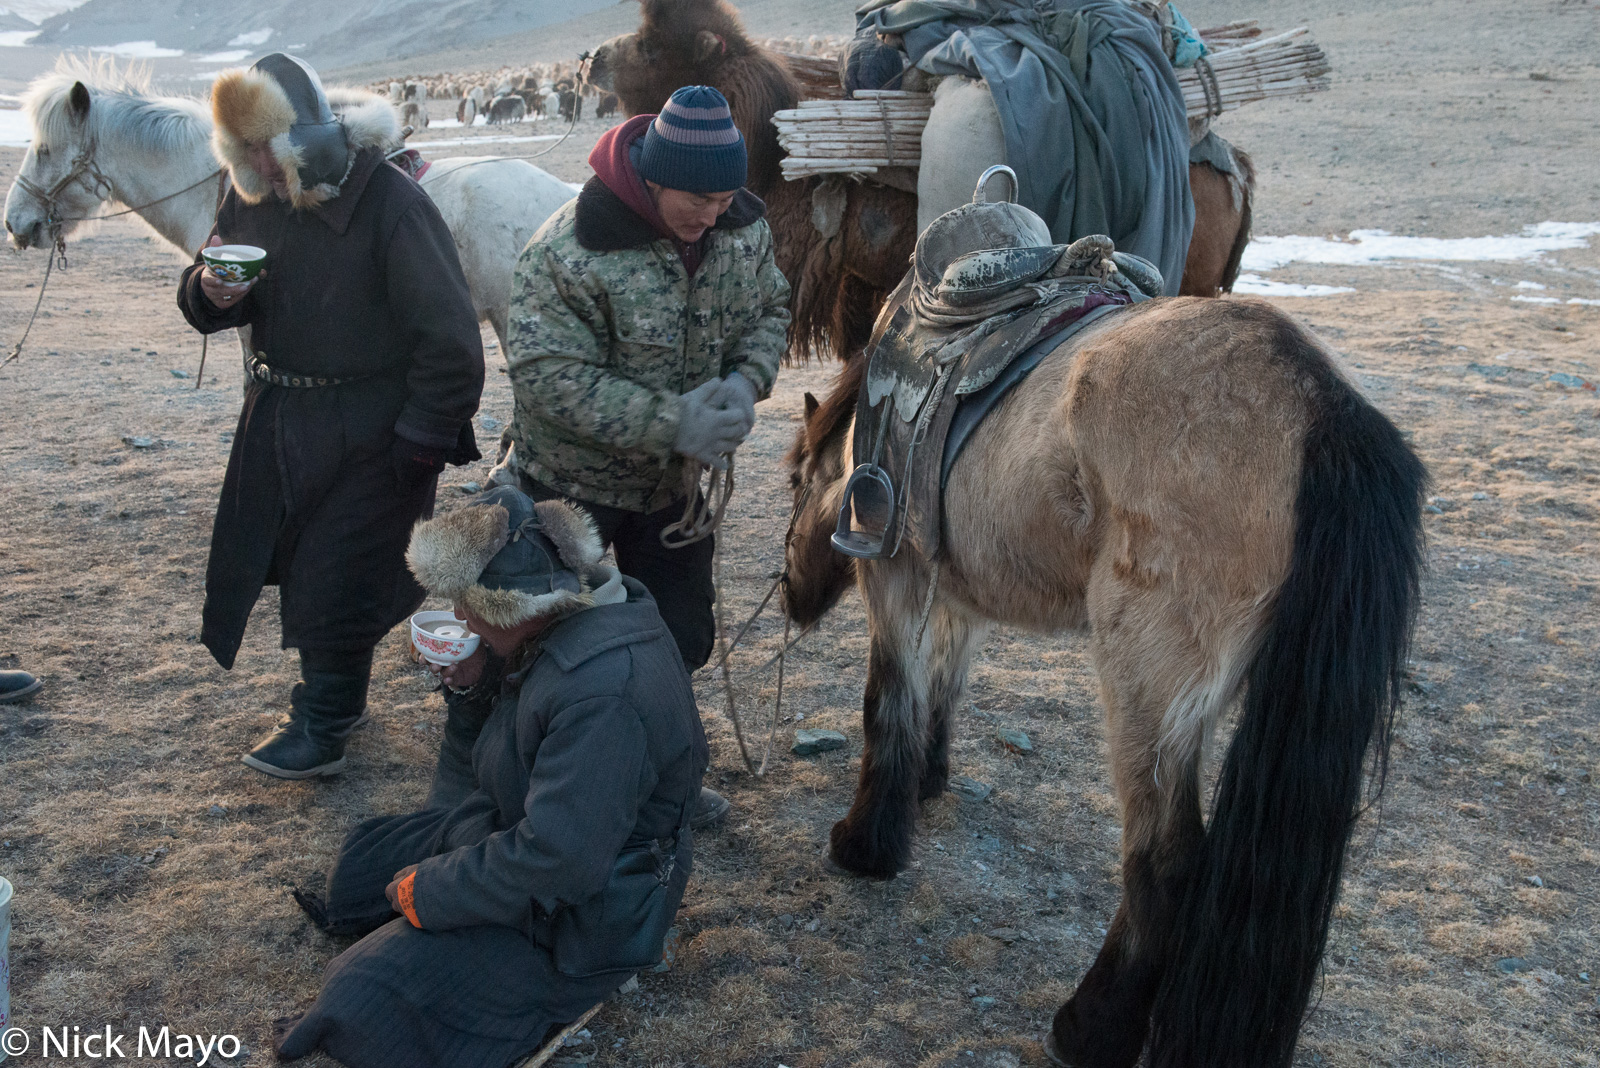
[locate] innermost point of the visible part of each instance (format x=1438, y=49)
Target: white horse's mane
x=122, y=101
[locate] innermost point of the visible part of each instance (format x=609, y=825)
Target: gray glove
x=738, y=394
x=706, y=432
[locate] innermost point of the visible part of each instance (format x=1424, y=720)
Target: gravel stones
x=1014, y=742
x=811, y=742
x=970, y=789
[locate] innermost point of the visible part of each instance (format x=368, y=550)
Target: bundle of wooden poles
x=879, y=128
x=1287, y=64
x=883, y=128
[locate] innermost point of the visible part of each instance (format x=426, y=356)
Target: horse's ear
x=707, y=44
x=78, y=101
x=811, y=406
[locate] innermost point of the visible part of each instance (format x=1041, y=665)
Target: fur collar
x=250, y=106
x=604, y=223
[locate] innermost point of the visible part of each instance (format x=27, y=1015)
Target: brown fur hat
x=508, y=559
x=251, y=106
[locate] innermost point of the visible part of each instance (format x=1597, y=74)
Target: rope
x=758, y=771
x=702, y=513
x=205, y=339
x=148, y=205
x=49, y=265
x=1209, y=86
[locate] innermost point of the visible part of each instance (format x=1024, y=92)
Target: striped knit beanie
x=693, y=144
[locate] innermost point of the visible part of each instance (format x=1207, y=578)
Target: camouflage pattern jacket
x=608, y=329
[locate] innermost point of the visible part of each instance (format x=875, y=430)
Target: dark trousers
x=679, y=579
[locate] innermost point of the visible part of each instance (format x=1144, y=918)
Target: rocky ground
x=152, y=868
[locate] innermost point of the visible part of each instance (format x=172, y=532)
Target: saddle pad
x=973, y=407
x=913, y=447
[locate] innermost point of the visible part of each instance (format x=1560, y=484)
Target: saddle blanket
x=917, y=434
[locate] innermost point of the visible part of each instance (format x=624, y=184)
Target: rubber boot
x=326, y=705
x=17, y=686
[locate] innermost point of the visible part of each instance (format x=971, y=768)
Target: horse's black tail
x=1322, y=690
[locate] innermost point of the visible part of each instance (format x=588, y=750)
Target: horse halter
x=83, y=165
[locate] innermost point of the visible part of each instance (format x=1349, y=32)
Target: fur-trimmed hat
x=507, y=559
x=314, y=135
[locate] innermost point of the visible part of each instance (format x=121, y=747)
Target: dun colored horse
x=1195, y=483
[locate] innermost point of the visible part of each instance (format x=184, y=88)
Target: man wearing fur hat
x=555, y=844
x=647, y=319
x=366, y=372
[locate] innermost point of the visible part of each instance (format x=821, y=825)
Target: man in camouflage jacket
x=647, y=318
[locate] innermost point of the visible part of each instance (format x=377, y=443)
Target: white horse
x=100, y=137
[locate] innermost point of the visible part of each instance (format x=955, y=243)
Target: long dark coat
x=592, y=751
x=366, y=286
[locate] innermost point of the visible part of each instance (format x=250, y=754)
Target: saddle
x=988, y=296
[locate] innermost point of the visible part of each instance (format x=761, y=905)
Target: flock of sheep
x=539, y=91
x=550, y=90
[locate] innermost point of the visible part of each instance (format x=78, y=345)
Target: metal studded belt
x=259, y=370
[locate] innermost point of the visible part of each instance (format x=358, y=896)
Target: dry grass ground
x=152, y=868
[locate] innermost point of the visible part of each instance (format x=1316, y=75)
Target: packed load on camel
x=1127, y=87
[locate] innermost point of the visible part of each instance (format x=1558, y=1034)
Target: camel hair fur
x=843, y=244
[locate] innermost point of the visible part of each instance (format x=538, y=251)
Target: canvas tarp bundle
x=1094, y=121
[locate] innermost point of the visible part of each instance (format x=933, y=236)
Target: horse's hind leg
x=954, y=637
x=1163, y=689
x=874, y=838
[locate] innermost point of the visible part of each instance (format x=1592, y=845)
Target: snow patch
x=1529, y=285
x=1257, y=286
x=15, y=131
x=224, y=57
x=17, y=38
x=1557, y=300
x=253, y=38
x=1366, y=247
x=138, y=50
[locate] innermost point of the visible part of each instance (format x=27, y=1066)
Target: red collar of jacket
x=615, y=210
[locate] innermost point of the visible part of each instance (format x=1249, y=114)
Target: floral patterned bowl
x=235, y=263
x=441, y=638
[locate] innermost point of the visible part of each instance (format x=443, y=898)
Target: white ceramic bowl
x=441, y=638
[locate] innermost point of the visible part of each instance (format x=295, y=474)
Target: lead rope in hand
x=702, y=515
x=702, y=512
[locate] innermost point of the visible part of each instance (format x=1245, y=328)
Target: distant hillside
x=325, y=34
x=584, y=25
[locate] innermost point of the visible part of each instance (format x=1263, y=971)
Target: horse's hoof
x=832, y=866
x=847, y=854
x=1052, y=1052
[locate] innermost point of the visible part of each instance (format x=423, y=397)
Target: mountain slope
x=325, y=34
